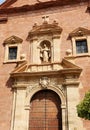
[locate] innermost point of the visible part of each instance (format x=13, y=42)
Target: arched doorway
x=45, y=111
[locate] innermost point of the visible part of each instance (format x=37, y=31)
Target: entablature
x=69, y=74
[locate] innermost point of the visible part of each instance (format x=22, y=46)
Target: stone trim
x=87, y=38
x=12, y=41
x=46, y=28
x=3, y=19
x=58, y=92
x=35, y=89
x=80, y=34
x=13, y=108
x=27, y=87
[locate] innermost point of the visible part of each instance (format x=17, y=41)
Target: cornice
x=24, y=70
x=45, y=28
x=71, y=71
x=37, y=6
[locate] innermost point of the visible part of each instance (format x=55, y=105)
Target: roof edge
x=37, y=6
x=7, y=3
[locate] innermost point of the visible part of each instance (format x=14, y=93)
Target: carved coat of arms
x=44, y=82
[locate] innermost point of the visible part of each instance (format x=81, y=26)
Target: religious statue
x=45, y=53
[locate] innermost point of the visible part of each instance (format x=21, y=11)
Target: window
x=12, y=49
x=81, y=46
x=12, y=53
x=80, y=38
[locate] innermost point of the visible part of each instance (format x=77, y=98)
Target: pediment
x=12, y=40
x=79, y=32
x=45, y=28
x=26, y=69
x=69, y=64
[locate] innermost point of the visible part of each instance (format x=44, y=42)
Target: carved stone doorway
x=45, y=111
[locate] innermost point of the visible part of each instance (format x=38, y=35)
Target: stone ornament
x=44, y=82
x=69, y=52
x=30, y=88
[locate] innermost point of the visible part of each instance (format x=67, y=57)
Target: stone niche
x=45, y=43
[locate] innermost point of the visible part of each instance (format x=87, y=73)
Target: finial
x=35, y=25
x=69, y=52
x=55, y=22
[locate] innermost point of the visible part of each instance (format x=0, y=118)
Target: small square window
x=12, y=49
x=81, y=46
x=12, y=55
x=80, y=38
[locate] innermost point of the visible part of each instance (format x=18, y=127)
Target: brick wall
x=69, y=18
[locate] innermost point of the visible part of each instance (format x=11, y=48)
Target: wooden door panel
x=36, y=121
x=45, y=112
x=37, y=114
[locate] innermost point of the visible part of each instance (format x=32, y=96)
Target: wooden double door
x=45, y=111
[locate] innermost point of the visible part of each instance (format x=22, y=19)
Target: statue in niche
x=45, y=53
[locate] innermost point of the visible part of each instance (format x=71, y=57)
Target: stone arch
x=47, y=42
x=33, y=90
x=47, y=39
x=36, y=89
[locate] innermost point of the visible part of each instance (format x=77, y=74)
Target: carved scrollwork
x=30, y=88
x=61, y=88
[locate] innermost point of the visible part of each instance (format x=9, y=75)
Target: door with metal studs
x=45, y=111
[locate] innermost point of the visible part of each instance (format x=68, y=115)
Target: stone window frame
x=74, y=39
x=12, y=41
x=80, y=34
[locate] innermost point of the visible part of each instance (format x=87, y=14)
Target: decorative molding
x=79, y=32
x=13, y=40
x=65, y=67
x=44, y=82
x=3, y=19
x=30, y=88
x=61, y=88
x=45, y=28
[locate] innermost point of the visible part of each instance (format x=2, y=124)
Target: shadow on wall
x=9, y=82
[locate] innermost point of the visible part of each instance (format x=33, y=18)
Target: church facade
x=44, y=64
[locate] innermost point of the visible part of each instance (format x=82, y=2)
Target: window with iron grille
x=12, y=55
x=81, y=46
